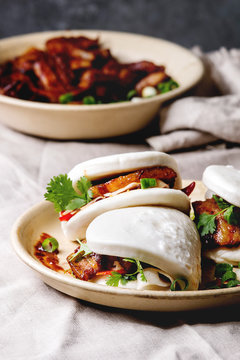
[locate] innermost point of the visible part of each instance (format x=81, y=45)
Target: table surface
x=38, y=322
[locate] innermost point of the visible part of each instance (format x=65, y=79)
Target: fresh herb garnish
x=206, y=222
x=221, y=269
x=65, y=98
x=166, y=86
x=50, y=244
x=225, y=277
x=148, y=183
x=82, y=251
x=61, y=193
x=116, y=277
x=178, y=281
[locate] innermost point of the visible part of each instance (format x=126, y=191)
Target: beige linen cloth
x=211, y=114
x=40, y=323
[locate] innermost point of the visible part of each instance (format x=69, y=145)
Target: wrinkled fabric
x=212, y=112
x=38, y=322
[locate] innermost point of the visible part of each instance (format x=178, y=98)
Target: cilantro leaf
x=232, y=215
x=114, y=278
x=222, y=268
x=222, y=204
x=83, y=186
x=76, y=203
x=206, y=224
x=60, y=192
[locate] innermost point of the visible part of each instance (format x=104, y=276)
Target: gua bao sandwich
x=218, y=221
x=131, y=220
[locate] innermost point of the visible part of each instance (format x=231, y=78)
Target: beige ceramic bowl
x=42, y=218
x=97, y=121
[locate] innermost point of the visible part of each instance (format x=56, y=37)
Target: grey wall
x=208, y=23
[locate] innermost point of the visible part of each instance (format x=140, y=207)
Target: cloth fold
x=211, y=114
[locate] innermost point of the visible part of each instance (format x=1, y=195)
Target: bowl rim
x=80, y=107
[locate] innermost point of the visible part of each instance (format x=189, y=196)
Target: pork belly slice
x=87, y=267
x=162, y=173
x=225, y=234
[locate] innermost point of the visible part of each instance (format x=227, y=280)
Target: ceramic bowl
x=59, y=121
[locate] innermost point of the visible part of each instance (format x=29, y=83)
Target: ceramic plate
x=42, y=218
x=98, y=121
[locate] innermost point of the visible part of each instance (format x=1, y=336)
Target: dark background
x=208, y=23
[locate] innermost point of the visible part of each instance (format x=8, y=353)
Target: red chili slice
x=189, y=189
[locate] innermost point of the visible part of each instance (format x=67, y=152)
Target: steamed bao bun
x=162, y=237
x=224, y=181
x=115, y=165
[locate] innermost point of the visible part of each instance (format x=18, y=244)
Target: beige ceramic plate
x=97, y=121
x=42, y=218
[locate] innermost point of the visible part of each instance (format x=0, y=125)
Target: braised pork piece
x=77, y=70
x=162, y=173
x=225, y=233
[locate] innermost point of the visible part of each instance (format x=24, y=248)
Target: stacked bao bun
x=224, y=181
x=151, y=225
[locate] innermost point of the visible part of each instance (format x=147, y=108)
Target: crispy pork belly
x=162, y=173
x=87, y=267
x=225, y=234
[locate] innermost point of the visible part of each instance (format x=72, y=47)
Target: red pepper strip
x=67, y=216
x=189, y=189
x=109, y=272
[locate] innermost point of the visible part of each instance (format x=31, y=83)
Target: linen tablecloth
x=38, y=322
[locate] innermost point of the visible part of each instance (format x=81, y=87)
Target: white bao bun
x=162, y=237
x=223, y=181
x=76, y=227
x=105, y=166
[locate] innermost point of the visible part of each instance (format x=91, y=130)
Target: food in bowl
x=78, y=70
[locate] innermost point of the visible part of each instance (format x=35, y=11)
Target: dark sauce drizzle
x=48, y=259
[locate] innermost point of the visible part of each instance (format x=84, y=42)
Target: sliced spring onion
x=178, y=282
x=65, y=98
x=89, y=100
x=50, y=244
x=149, y=91
x=131, y=94
x=148, y=183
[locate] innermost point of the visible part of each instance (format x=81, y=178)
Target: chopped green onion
x=89, y=100
x=131, y=94
x=148, y=183
x=221, y=269
x=65, y=98
x=166, y=86
x=178, y=282
x=149, y=91
x=50, y=244
x=82, y=251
